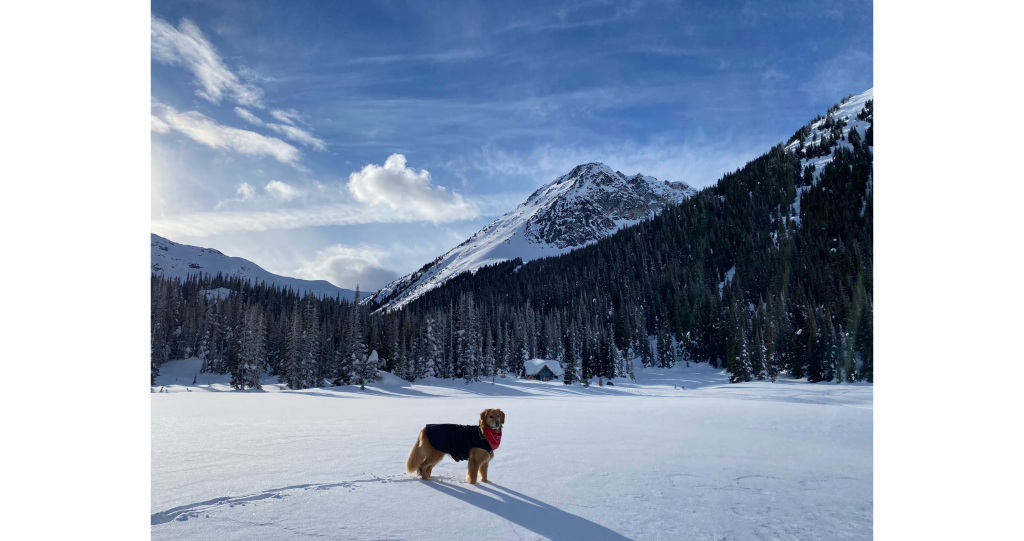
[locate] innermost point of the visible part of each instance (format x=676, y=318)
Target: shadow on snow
x=534, y=515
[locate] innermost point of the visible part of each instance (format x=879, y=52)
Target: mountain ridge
x=176, y=260
x=590, y=202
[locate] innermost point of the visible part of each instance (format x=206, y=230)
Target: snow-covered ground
x=644, y=460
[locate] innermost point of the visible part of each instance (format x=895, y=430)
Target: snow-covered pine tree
x=757, y=357
x=740, y=369
x=829, y=348
x=366, y=367
x=846, y=369
x=487, y=360
x=399, y=357
x=813, y=354
x=203, y=352
x=505, y=352
x=570, y=365
x=864, y=342
x=772, y=368
x=664, y=343
x=432, y=351
x=291, y=369
x=154, y=361
x=252, y=351
x=308, y=365
x=617, y=363
x=229, y=341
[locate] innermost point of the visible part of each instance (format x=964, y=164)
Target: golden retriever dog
x=475, y=443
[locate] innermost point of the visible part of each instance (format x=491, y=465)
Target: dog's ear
x=483, y=416
x=501, y=417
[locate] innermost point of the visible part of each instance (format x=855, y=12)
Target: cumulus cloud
x=289, y=116
x=246, y=191
x=247, y=116
x=187, y=46
x=299, y=135
x=205, y=130
x=281, y=190
x=348, y=266
x=403, y=191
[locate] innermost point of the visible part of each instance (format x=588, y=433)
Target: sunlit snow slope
x=174, y=260
x=590, y=202
x=848, y=116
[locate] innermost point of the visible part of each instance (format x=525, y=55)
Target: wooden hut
x=542, y=369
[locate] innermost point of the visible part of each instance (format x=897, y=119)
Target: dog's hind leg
x=417, y=455
x=433, y=456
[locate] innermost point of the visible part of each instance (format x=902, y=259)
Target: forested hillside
x=767, y=271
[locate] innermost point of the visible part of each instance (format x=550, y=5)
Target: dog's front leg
x=483, y=472
x=474, y=466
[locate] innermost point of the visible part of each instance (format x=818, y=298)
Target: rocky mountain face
x=590, y=202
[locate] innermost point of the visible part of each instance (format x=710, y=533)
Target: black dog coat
x=456, y=440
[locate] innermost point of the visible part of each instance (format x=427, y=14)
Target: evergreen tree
x=571, y=364
x=665, y=357
x=759, y=363
x=814, y=353
x=252, y=351
x=154, y=361
x=366, y=367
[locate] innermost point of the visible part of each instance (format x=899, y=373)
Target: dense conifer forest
x=768, y=271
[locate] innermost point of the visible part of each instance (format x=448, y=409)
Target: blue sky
x=354, y=142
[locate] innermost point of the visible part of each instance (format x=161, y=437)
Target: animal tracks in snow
x=195, y=510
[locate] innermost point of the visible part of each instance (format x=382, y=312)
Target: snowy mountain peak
x=592, y=201
x=174, y=260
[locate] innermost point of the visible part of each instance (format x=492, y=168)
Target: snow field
x=642, y=460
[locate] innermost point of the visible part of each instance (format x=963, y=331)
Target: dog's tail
x=412, y=463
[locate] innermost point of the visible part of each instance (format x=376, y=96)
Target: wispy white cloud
x=835, y=78
x=460, y=55
x=289, y=116
x=281, y=190
x=157, y=125
x=402, y=189
x=698, y=164
x=205, y=130
x=751, y=14
x=187, y=46
x=772, y=76
x=299, y=135
x=253, y=76
x=247, y=116
x=202, y=224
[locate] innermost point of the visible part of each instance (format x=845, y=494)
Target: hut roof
x=534, y=366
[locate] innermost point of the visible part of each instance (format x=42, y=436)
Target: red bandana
x=493, y=438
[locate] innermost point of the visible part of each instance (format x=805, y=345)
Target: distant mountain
x=589, y=203
x=174, y=260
